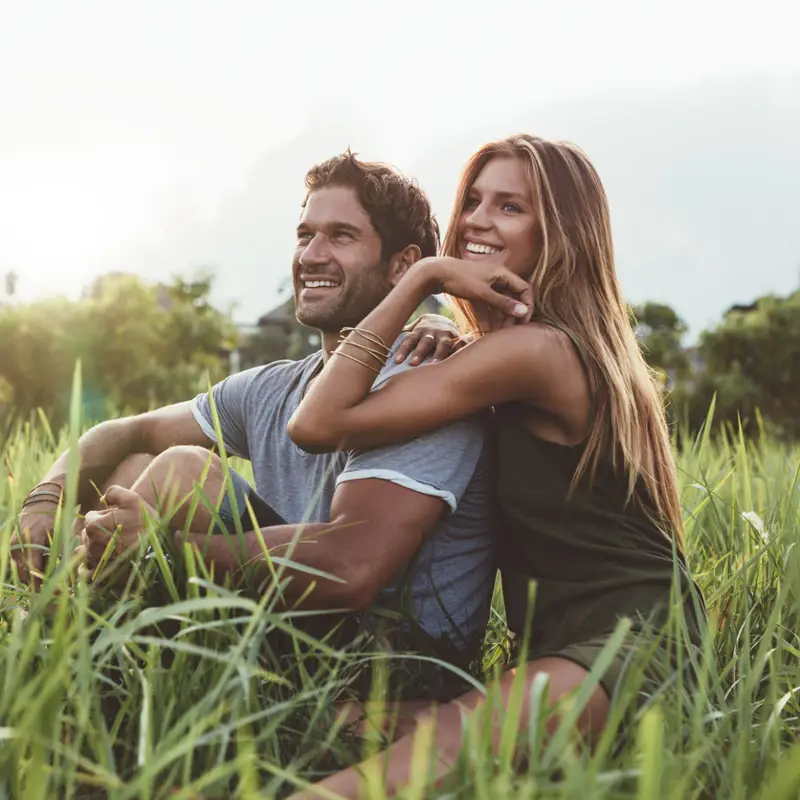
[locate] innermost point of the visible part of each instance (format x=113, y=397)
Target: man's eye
x=302, y=238
x=341, y=235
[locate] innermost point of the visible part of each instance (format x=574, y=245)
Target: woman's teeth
x=483, y=249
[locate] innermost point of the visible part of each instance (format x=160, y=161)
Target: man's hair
x=397, y=207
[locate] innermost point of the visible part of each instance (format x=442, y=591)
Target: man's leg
x=125, y=475
x=168, y=481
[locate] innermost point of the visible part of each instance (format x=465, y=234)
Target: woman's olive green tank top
x=594, y=557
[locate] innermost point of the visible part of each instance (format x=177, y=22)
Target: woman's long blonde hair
x=575, y=288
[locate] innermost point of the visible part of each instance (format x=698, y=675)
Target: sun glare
x=60, y=217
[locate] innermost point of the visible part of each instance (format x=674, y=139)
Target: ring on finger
x=429, y=336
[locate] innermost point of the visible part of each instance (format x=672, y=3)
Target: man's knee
x=185, y=459
x=180, y=468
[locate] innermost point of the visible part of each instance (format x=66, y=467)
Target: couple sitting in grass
x=540, y=446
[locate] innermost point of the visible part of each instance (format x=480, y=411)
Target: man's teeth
x=484, y=249
x=319, y=284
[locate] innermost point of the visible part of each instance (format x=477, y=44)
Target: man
x=408, y=527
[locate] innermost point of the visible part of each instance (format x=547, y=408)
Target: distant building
x=281, y=327
x=742, y=308
x=278, y=335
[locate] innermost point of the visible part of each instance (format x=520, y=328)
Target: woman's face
x=498, y=223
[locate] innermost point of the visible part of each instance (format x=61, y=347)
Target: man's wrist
x=38, y=507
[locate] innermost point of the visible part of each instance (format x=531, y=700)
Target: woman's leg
x=396, y=719
x=396, y=763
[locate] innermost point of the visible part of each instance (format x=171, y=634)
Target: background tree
x=752, y=361
x=141, y=345
x=660, y=331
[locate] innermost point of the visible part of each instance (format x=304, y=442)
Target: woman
x=586, y=479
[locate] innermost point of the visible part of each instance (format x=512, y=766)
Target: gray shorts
x=265, y=514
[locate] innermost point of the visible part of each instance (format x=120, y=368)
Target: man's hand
x=123, y=520
x=30, y=545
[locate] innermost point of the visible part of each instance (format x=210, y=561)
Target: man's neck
x=329, y=342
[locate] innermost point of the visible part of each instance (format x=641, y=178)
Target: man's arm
x=100, y=451
x=105, y=446
x=375, y=528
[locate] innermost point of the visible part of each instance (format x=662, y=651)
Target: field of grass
x=171, y=687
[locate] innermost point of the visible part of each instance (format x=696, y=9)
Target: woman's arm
x=522, y=362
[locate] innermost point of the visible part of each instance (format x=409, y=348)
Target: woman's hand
x=480, y=283
x=428, y=334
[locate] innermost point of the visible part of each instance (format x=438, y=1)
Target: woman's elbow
x=313, y=438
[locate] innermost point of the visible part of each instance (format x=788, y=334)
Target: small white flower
x=758, y=525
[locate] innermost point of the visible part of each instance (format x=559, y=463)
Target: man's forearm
x=100, y=451
x=310, y=545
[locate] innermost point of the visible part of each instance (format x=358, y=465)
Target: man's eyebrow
x=304, y=227
x=344, y=226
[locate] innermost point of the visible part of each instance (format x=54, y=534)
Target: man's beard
x=349, y=307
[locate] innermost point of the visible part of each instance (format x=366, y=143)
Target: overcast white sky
x=123, y=123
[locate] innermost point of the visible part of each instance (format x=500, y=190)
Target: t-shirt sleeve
x=230, y=404
x=440, y=463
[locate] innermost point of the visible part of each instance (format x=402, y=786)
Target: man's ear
x=400, y=262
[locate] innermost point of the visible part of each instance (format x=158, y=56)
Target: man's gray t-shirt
x=451, y=577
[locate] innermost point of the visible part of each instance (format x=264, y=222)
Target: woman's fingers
x=424, y=346
x=493, y=285
x=407, y=346
x=417, y=346
x=445, y=347
x=510, y=306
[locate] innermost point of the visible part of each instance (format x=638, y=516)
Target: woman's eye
x=470, y=203
x=512, y=207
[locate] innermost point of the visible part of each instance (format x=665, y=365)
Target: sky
x=162, y=137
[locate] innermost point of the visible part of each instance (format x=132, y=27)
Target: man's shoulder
x=392, y=368
x=277, y=375
x=463, y=437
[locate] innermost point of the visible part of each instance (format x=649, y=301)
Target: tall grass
x=166, y=685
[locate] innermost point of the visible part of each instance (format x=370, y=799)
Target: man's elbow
x=359, y=591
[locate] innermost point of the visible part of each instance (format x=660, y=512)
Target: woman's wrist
x=424, y=277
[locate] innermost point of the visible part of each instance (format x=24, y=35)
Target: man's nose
x=315, y=252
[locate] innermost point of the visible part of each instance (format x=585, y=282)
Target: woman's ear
x=401, y=262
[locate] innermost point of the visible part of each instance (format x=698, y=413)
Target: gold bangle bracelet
x=370, y=337
x=357, y=360
x=376, y=354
